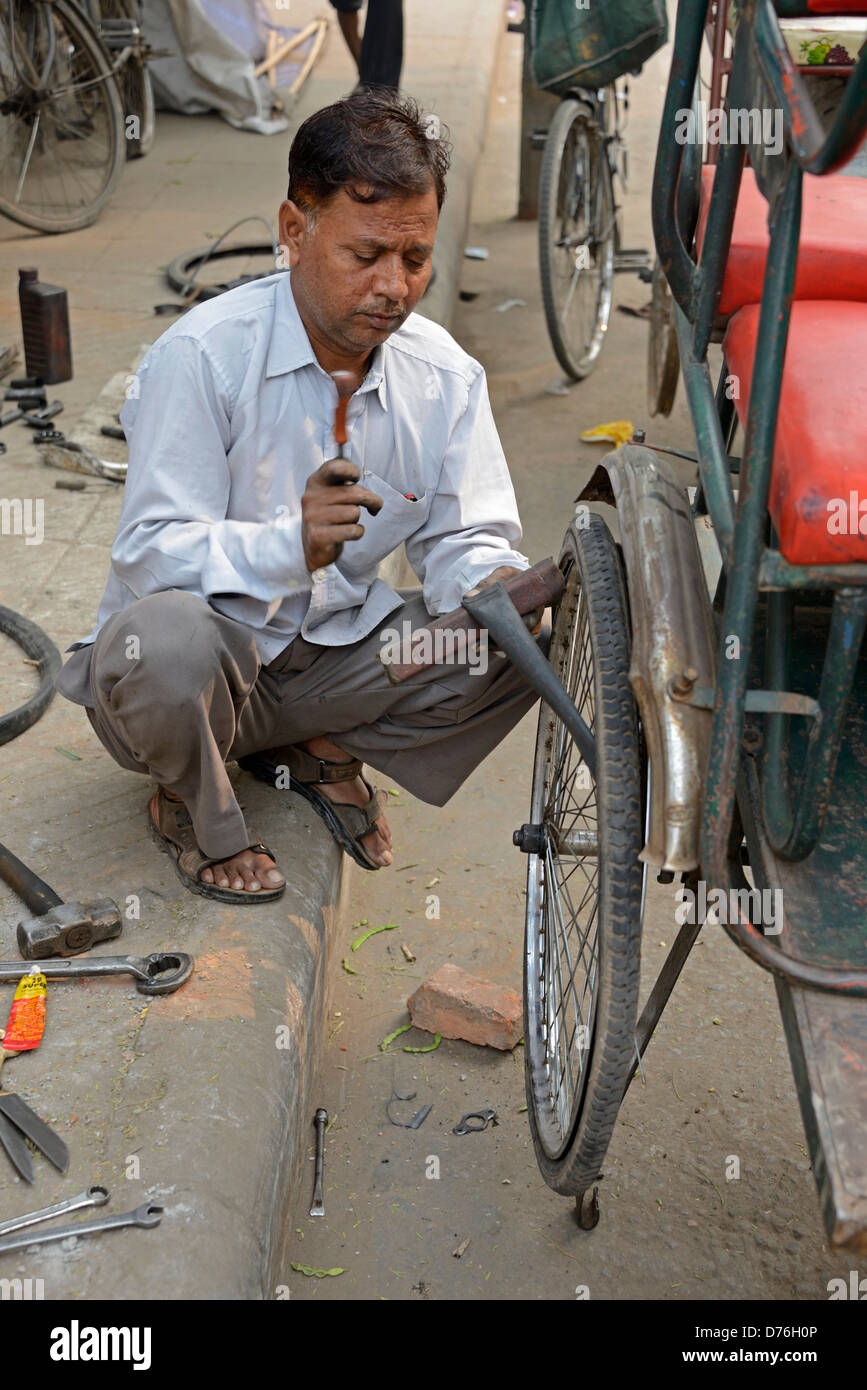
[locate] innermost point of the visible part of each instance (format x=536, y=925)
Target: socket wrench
x=162, y=972
x=93, y=1197
x=146, y=1215
x=320, y=1120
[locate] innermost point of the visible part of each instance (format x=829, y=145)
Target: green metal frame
x=793, y=818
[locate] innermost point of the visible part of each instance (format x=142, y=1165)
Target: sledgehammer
x=59, y=929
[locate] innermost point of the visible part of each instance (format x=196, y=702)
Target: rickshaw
x=704, y=692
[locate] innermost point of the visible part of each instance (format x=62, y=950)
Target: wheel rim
x=563, y=898
x=56, y=143
x=582, y=259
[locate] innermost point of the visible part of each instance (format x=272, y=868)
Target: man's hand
x=531, y=620
x=330, y=509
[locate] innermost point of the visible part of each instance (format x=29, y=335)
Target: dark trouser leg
x=429, y=733
x=169, y=677
x=382, y=44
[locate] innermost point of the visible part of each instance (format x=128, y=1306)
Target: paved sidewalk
x=201, y=1100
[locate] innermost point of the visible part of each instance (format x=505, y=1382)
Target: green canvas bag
x=590, y=46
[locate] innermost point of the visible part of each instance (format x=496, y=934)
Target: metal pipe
x=493, y=609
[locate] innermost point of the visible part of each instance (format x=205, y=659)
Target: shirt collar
x=291, y=348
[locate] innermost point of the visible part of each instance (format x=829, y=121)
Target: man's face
x=360, y=270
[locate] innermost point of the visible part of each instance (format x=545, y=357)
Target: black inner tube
x=39, y=646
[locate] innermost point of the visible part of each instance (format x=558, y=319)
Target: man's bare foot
x=246, y=871
x=378, y=841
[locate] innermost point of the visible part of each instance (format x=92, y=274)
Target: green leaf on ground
x=433, y=1047
x=348, y=968
x=66, y=753
x=315, y=1273
x=396, y=1034
x=360, y=940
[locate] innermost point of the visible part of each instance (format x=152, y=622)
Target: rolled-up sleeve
x=473, y=525
x=173, y=531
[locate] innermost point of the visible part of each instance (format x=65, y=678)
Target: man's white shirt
x=227, y=418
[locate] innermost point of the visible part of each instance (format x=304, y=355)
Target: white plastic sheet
x=217, y=44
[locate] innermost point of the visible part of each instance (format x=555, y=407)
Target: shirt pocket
x=397, y=519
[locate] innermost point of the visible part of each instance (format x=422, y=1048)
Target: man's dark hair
x=374, y=144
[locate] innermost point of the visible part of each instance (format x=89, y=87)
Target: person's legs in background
x=378, y=53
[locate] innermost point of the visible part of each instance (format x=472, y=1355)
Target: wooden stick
x=269, y=49
x=277, y=57
x=315, y=50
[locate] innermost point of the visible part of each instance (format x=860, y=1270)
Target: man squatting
x=242, y=609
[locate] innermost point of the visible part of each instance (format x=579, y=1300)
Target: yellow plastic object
x=27, y=1019
x=617, y=432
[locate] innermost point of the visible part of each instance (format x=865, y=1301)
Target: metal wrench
x=320, y=1120
x=93, y=1197
x=162, y=972
x=146, y=1215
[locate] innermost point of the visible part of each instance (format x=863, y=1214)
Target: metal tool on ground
x=320, y=1120
x=79, y=485
x=147, y=1215
x=487, y=1117
x=162, y=972
x=34, y=396
x=418, y=1118
x=59, y=928
x=93, y=1197
x=37, y=418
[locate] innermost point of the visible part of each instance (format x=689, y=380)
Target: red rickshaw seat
x=832, y=252
x=819, y=476
x=836, y=7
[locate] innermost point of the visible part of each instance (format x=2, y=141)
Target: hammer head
x=69, y=929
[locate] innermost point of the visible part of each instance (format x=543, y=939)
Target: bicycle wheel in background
x=576, y=238
x=134, y=80
x=61, y=118
x=584, y=879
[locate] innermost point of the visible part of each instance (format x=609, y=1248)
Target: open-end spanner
x=93, y=1197
x=146, y=1215
x=162, y=972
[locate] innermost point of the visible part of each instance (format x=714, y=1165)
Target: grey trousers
x=178, y=690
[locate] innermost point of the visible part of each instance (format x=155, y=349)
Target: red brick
x=455, y=1004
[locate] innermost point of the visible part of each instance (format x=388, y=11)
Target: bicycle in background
x=75, y=101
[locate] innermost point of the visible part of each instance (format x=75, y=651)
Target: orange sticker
x=27, y=1019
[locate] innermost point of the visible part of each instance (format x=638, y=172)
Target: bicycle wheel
x=61, y=118
x=576, y=238
x=134, y=80
x=584, y=885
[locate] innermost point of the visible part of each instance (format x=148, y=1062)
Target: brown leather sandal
x=348, y=824
x=170, y=825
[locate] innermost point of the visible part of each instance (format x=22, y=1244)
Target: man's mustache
x=392, y=310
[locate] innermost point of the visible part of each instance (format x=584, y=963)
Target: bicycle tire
x=556, y=185
x=86, y=40
x=184, y=267
x=571, y=1140
x=40, y=648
